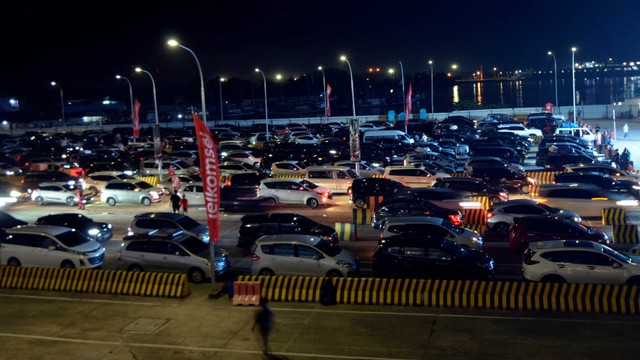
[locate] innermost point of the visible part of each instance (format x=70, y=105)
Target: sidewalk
x=632, y=142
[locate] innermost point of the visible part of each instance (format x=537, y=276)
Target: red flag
x=136, y=119
x=210, y=173
x=407, y=111
x=327, y=107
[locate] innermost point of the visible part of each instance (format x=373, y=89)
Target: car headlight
x=93, y=232
x=15, y=194
x=531, y=180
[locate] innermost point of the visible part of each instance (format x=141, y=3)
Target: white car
x=287, y=167
x=579, y=261
x=519, y=129
x=434, y=227
x=246, y=156
x=365, y=169
x=411, y=176
x=306, y=139
x=294, y=191
x=96, y=181
x=585, y=199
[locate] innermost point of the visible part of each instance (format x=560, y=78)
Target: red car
x=542, y=228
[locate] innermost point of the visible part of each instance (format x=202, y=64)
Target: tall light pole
x=266, y=111
x=354, y=138
x=156, y=133
x=324, y=90
x=353, y=98
x=221, y=103
x=130, y=93
x=404, y=99
x=64, y=121
x=431, y=67
x=555, y=72
x=173, y=42
x=573, y=77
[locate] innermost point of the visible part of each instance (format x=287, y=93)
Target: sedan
x=500, y=216
x=432, y=227
x=402, y=207
x=99, y=231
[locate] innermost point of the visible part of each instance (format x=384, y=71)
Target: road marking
x=80, y=300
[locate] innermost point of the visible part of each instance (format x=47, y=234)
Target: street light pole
x=64, y=121
x=324, y=90
x=221, y=103
x=202, y=97
x=130, y=93
x=266, y=111
x=573, y=77
x=431, y=67
x=156, y=133
x=354, y=138
x=404, y=99
x=353, y=98
x=555, y=72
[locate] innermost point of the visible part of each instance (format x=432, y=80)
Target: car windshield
x=144, y=185
x=187, y=223
x=72, y=238
x=308, y=184
x=618, y=256
x=328, y=248
x=454, y=249
x=549, y=209
x=196, y=246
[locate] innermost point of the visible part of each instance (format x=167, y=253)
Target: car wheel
x=266, y=272
x=334, y=274
x=501, y=228
x=14, y=262
x=525, y=188
x=135, y=268
x=93, y=190
x=557, y=279
x=146, y=201
x=67, y=265
x=39, y=201
x=359, y=203
x=634, y=281
x=196, y=276
x=271, y=201
x=70, y=201
x=312, y=203
x=111, y=201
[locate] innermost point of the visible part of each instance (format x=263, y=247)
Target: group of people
x=179, y=204
x=623, y=160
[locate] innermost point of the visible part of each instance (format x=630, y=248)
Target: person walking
x=184, y=204
x=80, y=199
x=264, y=321
x=625, y=130
x=175, y=202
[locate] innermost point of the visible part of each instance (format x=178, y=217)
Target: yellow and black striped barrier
x=151, y=179
x=625, y=234
x=534, y=190
x=483, y=200
x=480, y=228
x=537, y=140
x=13, y=180
x=284, y=176
x=362, y=216
x=345, y=231
x=377, y=176
x=374, y=201
x=542, y=177
x=492, y=295
x=458, y=175
x=635, y=251
x=614, y=216
x=475, y=217
x=94, y=281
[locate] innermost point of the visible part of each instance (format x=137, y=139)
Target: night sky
x=85, y=44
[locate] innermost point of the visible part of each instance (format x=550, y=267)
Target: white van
x=581, y=132
x=374, y=135
x=338, y=179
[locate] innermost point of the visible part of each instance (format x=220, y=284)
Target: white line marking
x=80, y=300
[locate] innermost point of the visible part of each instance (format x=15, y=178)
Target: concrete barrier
x=151, y=179
x=288, y=288
x=542, y=177
x=373, y=201
x=346, y=231
x=246, y=293
x=14, y=180
x=362, y=216
x=614, y=216
x=480, y=228
x=94, y=281
x=625, y=234
x=475, y=217
x=483, y=200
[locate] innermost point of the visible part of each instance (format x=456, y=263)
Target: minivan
x=338, y=179
x=50, y=246
x=375, y=135
x=145, y=222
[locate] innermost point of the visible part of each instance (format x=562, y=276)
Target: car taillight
x=455, y=219
x=526, y=257
x=490, y=215
x=255, y=257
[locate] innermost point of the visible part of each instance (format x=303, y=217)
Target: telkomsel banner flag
x=136, y=119
x=210, y=173
x=407, y=111
x=327, y=106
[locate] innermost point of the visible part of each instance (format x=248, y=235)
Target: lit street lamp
x=353, y=98
x=54, y=84
x=354, y=140
x=555, y=72
x=204, y=108
x=431, y=67
x=221, y=103
x=404, y=99
x=573, y=77
x=266, y=111
x=130, y=93
x=324, y=90
x=156, y=133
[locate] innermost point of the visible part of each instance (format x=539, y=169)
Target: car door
x=194, y=194
x=51, y=252
x=571, y=265
x=293, y=193
x=310, y=261
x=283, y=260
x=154, y=256
x=603, y=269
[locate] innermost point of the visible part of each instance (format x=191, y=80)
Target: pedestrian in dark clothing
x=80, y=199
x=264, y=321
x=175, y=202
x=184, y=204
x=625, y=158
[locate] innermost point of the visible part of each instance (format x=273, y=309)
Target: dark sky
x=85, y=44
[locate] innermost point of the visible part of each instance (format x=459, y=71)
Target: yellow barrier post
x=614, y=216
x=345, y=231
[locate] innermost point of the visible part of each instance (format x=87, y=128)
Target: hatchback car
x=579, y=261
x=172, y=251
x=402, y=207
x=363, y=188
x=96, y=230
x=256, y=225
x=543, y=228
x=294, y=191
x=130, y=191
x=500, y=215
x=145, y=222
x=432, y=227
x=423, y=257
x=301, y=255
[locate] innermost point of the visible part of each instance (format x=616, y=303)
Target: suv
x=145, y=222
x=50, y=246
x=363, y=188
x=577, y=261
x=501, y=215
x=130, y=191
x=180, y=167
x=545, y=122
x=489, y=161
x=256, y=225
x=410, y=176
x=504, y=177
x=58, y=193
x=301, y=255
x=95, y=230
x=294, y=191
x=473, y=187
x=172, y=251
x=96, y=181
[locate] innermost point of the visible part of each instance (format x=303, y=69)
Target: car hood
x=88, y=247
x=345, y=255
x=322, y=230
x=478, y=257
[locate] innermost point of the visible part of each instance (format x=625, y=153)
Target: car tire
x=67, y=265
x=359, y=203
x=70, y=201
x=146, y=201
x=111, y=201
x=501, y=228
x=266, y=272
x=14, y=262
x=135, y=268
x=196, y=276
x=271, y=201
x=94, y=190
x=334, y=274
x=556, y=279
x=525, y=189
x=634, y=281
x=39, y=201
x=312, y=203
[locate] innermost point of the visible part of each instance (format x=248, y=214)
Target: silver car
x=432, y=226
x=301, y=255
x=500, y=216
x=130, y=191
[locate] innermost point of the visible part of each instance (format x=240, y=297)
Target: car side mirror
x=317, y=257
x=616, y=265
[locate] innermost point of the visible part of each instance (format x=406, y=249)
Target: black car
x=363, y=188
x=556, y=162
x=411, y=206
x=507, y=178
x=417, y=256
x=473, y=187
x=543, y=121
x=99, y=231
x=8, y=221
x=254, y=226
x=602, y=180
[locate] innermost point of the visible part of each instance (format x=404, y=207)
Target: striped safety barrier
x=475, y=217
x=13, y=180
x=374, y=201
x=534, y=190
x=284, y=176
x=483, y=200
x=346, y=231
x=614, y=216
x=536, y=140
x=480, y=228
x=362, y=216
x=625, y=234
x=459, y=175
x=151, y=179
x=542, y=177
